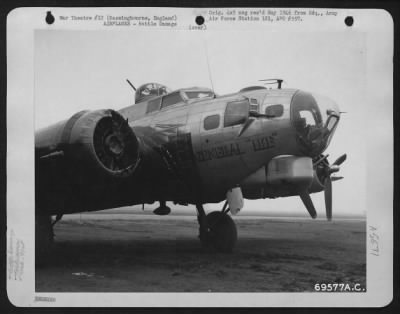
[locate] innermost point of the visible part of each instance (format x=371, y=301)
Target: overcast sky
x=76, y=70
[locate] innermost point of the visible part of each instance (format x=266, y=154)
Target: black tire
x=222, y=233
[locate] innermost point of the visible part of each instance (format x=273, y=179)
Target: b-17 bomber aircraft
x=188, y=146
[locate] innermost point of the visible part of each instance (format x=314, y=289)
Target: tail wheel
x=222, y=233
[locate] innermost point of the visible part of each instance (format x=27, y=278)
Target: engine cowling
x=99, y=141
x=317, y=184
x=283, y=176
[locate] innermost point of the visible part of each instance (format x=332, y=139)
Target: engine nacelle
x=99, y=140
x=283, y=176
x=317, y=184
x=290, y=169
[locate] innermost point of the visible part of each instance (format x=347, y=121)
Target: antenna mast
x=208, y=66
x=273, y=81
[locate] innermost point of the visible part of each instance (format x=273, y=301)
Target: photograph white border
x=21, y=25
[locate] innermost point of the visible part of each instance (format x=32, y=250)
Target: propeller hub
x=114, y=144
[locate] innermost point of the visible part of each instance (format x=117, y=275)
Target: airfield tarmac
x=100, y=252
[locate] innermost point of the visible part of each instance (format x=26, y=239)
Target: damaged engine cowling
x=99, y=141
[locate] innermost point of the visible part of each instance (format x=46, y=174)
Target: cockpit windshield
x=199, y=94
x=150, y=90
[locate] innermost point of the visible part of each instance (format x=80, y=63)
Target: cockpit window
x=171, y=99
x=236, y=112
x=199, y=94
x=153, y=105
x=274, y=111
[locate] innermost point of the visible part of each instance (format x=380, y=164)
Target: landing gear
x=44, y=238
x=217, y=230
x=162, y=210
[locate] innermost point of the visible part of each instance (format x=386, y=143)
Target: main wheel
x=221, y=231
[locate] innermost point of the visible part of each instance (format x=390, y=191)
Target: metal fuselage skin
x=189, y=153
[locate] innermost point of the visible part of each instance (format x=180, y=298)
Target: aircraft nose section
x=315, y=119
x=327, y=107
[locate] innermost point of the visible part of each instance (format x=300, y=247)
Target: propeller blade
x=307, y=201
x=336, y=178
x=328, y=197
x=320, y=160
x=340, y=160
x=333, y=169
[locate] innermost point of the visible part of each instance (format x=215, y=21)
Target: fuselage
x=188, y=146
x=213, y=146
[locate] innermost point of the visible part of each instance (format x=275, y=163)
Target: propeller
x=329, y=169
x=328, y=197
x=324, y=171
x=307, y=201
x=340, y=160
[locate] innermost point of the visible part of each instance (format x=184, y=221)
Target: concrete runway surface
x=142, y=253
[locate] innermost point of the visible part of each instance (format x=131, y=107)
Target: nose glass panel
x=330, y=114
x=314, y=119
x=327, y=107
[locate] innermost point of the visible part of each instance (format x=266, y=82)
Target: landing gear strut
x=44, y=237
x=162, y=210
x=217, y=229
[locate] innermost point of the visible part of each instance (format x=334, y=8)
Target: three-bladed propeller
x=327, y=170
